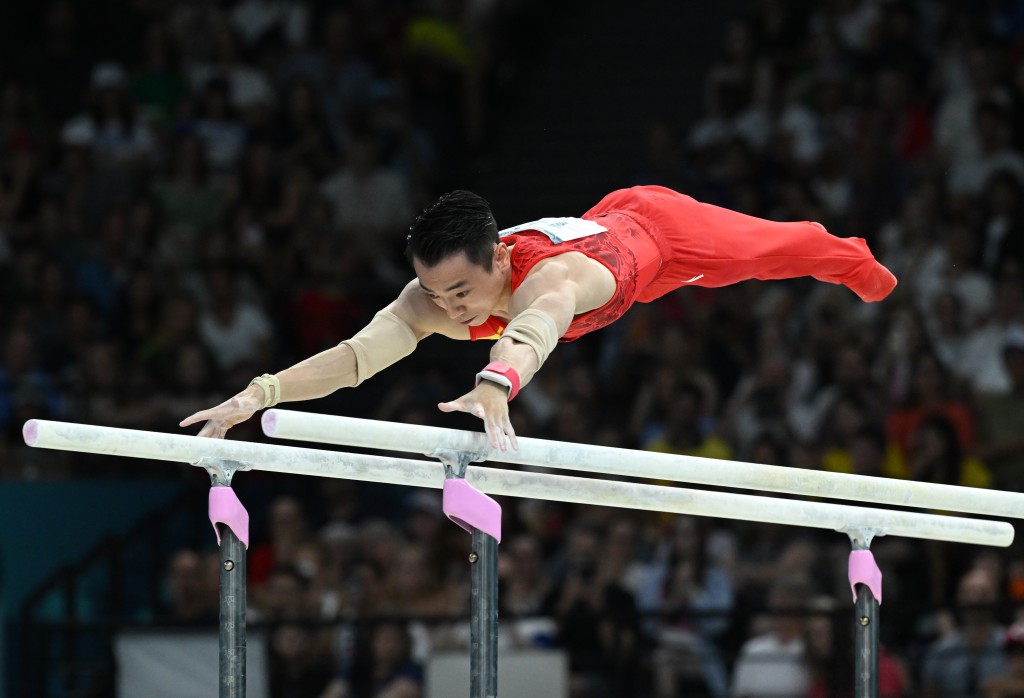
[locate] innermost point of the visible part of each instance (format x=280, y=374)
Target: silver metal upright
x=483, y=663
x=866, y=584
x=231, y=524
x=232, y=616
x=474, y=511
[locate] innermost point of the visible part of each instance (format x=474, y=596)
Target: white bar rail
x=414, y=438
x=303, y=461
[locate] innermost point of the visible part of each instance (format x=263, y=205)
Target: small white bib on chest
x=559, y=229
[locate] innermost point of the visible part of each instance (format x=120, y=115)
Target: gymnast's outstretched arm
x=393, y=334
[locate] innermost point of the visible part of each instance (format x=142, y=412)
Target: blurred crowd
x=224, y=189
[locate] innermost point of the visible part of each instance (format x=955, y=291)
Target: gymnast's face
x=468, y=292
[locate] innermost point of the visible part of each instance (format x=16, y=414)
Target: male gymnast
x=556, y=279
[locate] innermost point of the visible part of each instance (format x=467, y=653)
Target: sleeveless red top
x=629, y=252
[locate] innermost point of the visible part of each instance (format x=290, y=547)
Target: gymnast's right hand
x=228, y=413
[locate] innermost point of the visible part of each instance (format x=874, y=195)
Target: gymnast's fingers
x=494, y=426
x=201, y=416
x=213, y=430
x=511, y=432
x=454, y=406
x=496, y=434
x=502, y=433
x=226, y=415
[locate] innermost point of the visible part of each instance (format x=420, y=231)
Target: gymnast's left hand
x=228, y=413
x=489, y=402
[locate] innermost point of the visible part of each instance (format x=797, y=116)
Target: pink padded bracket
x=226, y=509
x=471, y=508
x=864, y=570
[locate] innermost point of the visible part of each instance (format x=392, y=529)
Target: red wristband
x=501, y=373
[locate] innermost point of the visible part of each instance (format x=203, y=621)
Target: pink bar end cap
x=269, y=422
x=30, y=432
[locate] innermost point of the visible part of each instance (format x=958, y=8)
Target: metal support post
x=481, y=516
x=483, y=669
x=866, y=585
x=232, y=616
x=231, y=525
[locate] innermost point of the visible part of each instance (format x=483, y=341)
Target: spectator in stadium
x=384, y=669
x=190, y=600
x=1001, y=419
x=775, y=663
x=1009, y=684
x=960, y=663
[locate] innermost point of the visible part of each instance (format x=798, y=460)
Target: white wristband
x=493, y=377
x=501, y=373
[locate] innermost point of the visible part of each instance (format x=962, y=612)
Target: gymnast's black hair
x=459, y=221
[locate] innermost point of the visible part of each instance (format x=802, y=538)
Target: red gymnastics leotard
x=657, y=240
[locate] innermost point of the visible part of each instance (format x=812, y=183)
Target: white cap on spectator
x=108, y=74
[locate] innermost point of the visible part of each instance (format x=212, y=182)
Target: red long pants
x=705, y=245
